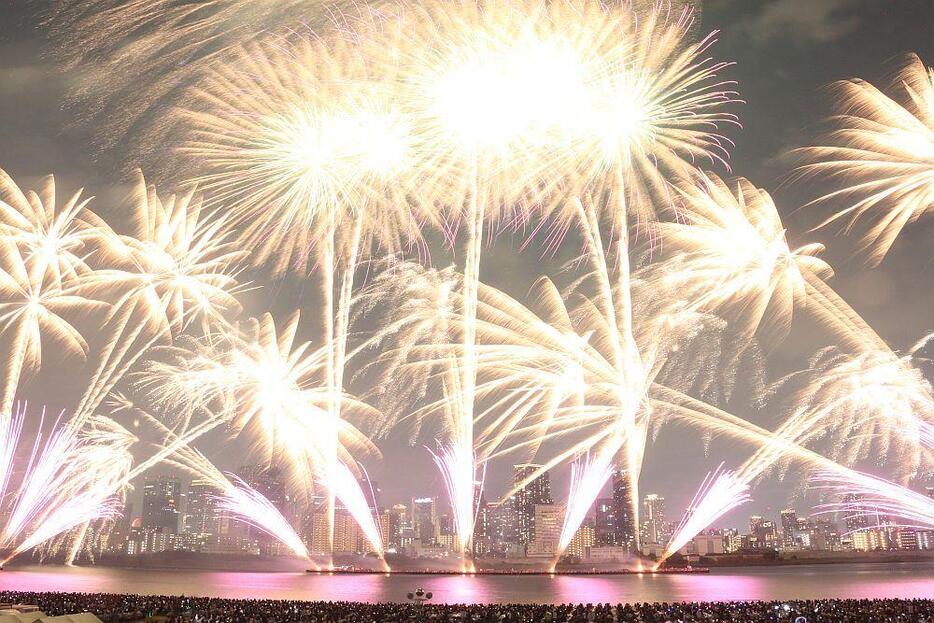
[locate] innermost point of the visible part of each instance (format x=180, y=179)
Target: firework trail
x=719, y=493
x=879, y=156
x=71, y=477
x=876, y=496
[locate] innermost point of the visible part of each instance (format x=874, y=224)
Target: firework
x=108, y=46
x=32, y=311
x=879, y=156
x=864, y=495
x=261, y=384
x=732, y=259
x=71, y=477
x=176, y=267
x=886, y=399
x=519, y=108
x=719, y=493
x=54, y=240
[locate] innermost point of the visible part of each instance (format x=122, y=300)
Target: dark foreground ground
x=208, y=610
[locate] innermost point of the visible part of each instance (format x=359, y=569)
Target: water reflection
x=801, y=582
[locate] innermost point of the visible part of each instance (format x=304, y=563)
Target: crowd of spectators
x=112, y=608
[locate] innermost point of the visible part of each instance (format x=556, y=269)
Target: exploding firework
x=34, y=311
x=732, y=259
x=131, y=62
x=54, y=240
x=176, y=267
x=261, y=384
x=879, y=156
x=519, y=108
x=550, y=377
x=313, y=160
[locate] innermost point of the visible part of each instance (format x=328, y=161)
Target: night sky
x=786, y=52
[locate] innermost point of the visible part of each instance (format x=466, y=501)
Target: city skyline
x=524, y=527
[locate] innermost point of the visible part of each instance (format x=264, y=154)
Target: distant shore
x=812, y=558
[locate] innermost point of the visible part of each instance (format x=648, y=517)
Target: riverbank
x=810, y=558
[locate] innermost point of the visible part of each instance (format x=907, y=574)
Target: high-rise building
x=425, y=520
x=482, y=529
x=856, y=516
x=548, y=520
x=161, y=502
x=654, y=529
x=270, y=483
x=391, y=523
x=605, y=524
x=201, y=514
x=503, y=532
x=789, y=520
x=347, y=536
x=624, y=512
x=583, y=540
x=536, y=491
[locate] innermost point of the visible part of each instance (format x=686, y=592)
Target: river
x=768, y=583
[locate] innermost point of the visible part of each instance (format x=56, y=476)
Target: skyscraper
x=855, y=516
x=161, y=501
x=269, y=482
x=548, y=520
x=789, y=518
x=482, y=529
x=425, y=520
x=392, y=522
x=654, y=529
x=605, y=525
x=538, y=491
x=623, y=511
x=503, y=525
x=201, y=514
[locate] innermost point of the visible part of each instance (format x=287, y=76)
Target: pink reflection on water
x=770, y=583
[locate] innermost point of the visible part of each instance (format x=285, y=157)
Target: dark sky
x=785, y=50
